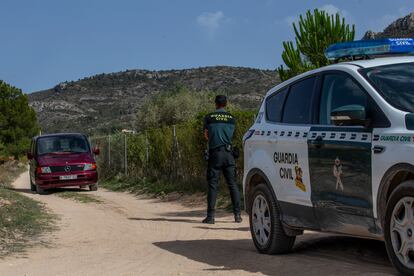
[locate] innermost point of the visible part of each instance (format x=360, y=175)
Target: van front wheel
x=93, y=187
x=32, y=186
x=40, y=190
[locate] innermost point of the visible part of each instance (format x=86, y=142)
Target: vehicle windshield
x=395, y=83
x=62, y=144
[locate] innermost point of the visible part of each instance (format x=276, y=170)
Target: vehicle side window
x=298, y=103
x=274, y=105
x=341, y=90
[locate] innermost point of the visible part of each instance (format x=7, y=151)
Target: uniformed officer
x=218, y=130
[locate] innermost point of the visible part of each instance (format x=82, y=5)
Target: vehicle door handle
x=378, y=149
x=318, y=142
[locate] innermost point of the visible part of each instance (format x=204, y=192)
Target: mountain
x=102, y=103
x=400, y=28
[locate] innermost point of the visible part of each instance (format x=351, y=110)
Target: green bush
x=153, y=154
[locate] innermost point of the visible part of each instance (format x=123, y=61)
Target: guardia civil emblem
x=298, y=178
x=337, y=172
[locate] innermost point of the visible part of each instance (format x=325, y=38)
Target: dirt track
x=134, y=236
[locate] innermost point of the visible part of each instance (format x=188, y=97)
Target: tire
x=32, y=186
x=401, y=199
x=93, y=187
x=277, y=241
x=40, y=191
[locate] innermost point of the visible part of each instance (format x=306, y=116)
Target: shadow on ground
x=192, y=216
x=166, y=220
x=194, y=213
x=50, y=191
x=313, y=255
x=243, y=229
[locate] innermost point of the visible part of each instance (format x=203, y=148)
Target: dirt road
x=126, y=235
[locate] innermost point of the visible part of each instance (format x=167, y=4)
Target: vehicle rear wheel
x=399, y=228
x=40, y=190
x=93, y=187
x=266, y=228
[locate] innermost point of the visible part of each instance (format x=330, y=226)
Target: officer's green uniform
x=220, y=125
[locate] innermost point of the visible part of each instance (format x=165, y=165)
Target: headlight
x=44, y=170
x=89, y=167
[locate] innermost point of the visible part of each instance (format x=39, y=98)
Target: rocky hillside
x=400, y=28
x=106, y=102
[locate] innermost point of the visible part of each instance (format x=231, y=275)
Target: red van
x=62, y=160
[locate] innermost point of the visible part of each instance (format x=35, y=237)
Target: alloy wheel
x=402, y=231
x=261, y=220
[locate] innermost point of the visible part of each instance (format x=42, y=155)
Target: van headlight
x=89, y=167
x=44, y=170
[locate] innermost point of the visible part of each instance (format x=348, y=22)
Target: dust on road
x=126, y=235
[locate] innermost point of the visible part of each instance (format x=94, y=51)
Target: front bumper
x=52, y=180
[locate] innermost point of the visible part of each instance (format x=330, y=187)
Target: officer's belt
x=220, y=148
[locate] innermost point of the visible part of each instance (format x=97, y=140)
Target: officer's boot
x=210, y=217
x=238, y=218
x=209, y=220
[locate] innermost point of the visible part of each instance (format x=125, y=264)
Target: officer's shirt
x=220, y=125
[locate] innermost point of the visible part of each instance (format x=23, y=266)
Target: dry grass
x=22, y=220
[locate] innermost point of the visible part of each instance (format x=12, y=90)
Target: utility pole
x=146, y=148
x=109, y=151
x=126, y=156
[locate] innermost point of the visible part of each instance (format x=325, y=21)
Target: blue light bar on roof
x=370, y=47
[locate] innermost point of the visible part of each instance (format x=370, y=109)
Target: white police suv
x=333, y=150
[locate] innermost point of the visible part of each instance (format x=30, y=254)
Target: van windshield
x=395, y=83
x=62, y=144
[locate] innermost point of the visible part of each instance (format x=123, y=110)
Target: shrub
x=156, y=154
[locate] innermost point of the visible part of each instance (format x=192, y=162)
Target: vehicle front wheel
x=32, y=186
x=266, y=228
x=40, y=190
x=93, y=187
x=399, y=228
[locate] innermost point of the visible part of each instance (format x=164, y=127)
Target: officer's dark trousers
x=221, y=160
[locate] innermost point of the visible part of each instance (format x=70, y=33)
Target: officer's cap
x=221, y=100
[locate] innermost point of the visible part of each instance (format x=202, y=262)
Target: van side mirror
x=96, y=151
x=29, y=156
x=349, y=115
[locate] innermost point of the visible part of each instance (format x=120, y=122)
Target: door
x=290, y=155
x=340, y=159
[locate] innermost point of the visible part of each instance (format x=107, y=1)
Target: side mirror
x=29, y=156
x=96, y=151
x=349, y=115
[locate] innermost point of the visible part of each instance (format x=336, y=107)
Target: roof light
x=370, y=47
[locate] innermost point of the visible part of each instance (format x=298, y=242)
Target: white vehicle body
x=327, y=177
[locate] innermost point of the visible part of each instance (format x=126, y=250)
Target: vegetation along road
x=110, y=233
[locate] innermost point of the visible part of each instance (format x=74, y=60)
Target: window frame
x=312, y=99
x=287, y=87
x=318, y=93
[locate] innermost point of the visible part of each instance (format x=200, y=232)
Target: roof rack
x=368, y=49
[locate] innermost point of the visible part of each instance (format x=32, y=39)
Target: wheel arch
x=254, y=177
x=393, y=177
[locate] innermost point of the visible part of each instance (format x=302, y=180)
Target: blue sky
x=45, y=42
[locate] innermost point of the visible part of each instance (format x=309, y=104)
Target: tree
x=18, y=121
x=313, y=34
